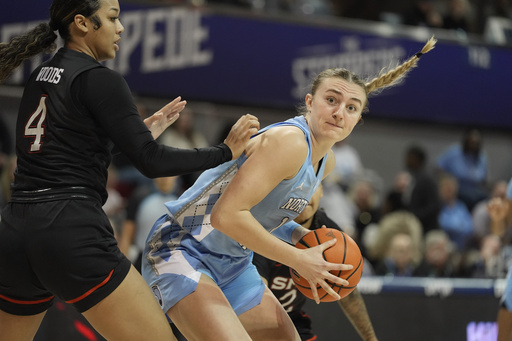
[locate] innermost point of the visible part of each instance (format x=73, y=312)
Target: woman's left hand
x=163, y=118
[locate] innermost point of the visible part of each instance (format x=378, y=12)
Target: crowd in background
x=466, y=16
x=427, y=223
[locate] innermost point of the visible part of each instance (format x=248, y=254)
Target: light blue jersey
x=183, y=244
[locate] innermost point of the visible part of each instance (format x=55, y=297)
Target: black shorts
x=64, y=248
x=302, y=323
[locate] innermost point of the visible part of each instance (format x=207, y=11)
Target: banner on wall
x=249, y=60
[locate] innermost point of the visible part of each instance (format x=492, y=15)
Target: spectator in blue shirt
x=468, y=163
x=454, y=217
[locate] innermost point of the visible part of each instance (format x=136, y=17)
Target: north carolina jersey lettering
x=295, y=204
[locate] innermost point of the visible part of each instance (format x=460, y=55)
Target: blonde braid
x=396, y=75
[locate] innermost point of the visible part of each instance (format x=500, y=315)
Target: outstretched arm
x=355, y=310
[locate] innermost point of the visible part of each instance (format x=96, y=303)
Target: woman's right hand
x=312, y=266
x=241, y=133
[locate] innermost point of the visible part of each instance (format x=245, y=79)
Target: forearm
x=245, y=229
x=298, y=233
x=355, y=309
x=163, y=160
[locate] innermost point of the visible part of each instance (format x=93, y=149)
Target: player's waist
x=51, y=194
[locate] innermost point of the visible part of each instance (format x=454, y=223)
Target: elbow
x=217, y=218
x=147, y=171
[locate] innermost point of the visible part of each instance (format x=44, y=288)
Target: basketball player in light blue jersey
x=198, y=257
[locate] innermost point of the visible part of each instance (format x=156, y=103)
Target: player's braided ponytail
x=388, y=76
x=397, y=74
x=40, y=39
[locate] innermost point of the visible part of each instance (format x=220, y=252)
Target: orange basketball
x=345, y=251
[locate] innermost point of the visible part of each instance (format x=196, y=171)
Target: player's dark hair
x=42, y=37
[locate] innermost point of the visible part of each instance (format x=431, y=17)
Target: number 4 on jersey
x=35, y=126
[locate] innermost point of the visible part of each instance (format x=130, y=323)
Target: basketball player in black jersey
x=55, y=239
x=277, y=277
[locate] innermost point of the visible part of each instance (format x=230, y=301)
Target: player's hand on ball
x=331, y=269
x=316, y=270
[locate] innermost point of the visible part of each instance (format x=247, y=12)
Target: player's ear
x=81, y=23
x=308, y=101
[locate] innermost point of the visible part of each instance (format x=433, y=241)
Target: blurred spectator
x=440, y=258
x=366, y=208
x=398, y=260
x=488, y=261
x=397, y=222
x=357, y=9
x=339, y=208
x=144, y=207
x=468, y=163
x=500, y=212
x=183, y=134
x=421, y=196
x=423, y=13
x=348, y=165
x=394, y=199
x=495, y=253
x=458, y=16
x=454, y=217
x=480, y=213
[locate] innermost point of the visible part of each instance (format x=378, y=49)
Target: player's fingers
x=176, y=105
x=172, y=118
x=314, y=292
x=325, y=245
x=336, y=279
x=153, y=118
x=174, y=101
x=251, y=122
x=338, y=266
x=328, y=289
x=246, y=126
x=171, y=104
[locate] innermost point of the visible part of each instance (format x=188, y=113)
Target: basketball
x=345, y=251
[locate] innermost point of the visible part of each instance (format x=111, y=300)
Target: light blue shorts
x=178, y=275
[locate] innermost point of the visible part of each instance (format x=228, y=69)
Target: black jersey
x=73, y=111
x=278, y=275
